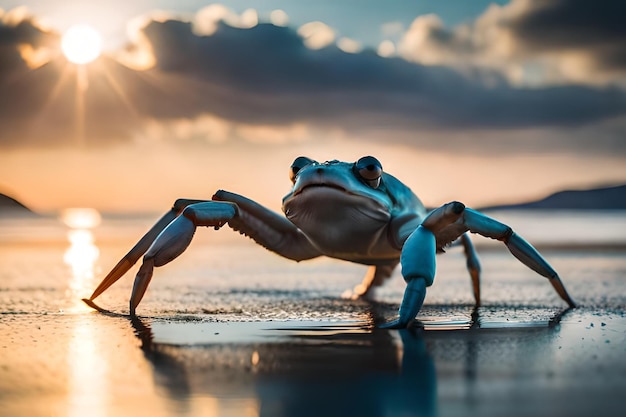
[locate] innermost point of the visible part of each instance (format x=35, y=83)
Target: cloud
x=20, y=40
x=530, y=42
x=317, y=35
x=229, y=79
x=596, y=29
x=208, y=19
x=278, y=78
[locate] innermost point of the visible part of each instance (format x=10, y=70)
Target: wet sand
x=97, y=365
x=222, y=337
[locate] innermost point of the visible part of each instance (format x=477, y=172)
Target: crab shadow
x=335, y=369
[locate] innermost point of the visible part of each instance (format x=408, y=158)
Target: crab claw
x=132, y=256
x=418, y=272
x=443, y=216
x=143, y=278
x=414, y=295
x=172, y=241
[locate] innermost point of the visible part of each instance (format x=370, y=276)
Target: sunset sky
x=484, y=102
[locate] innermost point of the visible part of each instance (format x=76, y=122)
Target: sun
x=81, y=44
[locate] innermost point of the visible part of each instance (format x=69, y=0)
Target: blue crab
x=349, y=211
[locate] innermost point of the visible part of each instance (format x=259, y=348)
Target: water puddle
x=208, y=333
x=212, y=333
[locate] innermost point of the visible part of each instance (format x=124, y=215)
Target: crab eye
x=369, y=170
x=299, y=163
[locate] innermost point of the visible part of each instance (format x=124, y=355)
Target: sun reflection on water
x=87, y=386
x=81, y=218
x=82, y=254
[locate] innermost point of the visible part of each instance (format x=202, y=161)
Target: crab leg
x=452, y=220
x=479, y=223
x=264, y=226
x=418, y=262
x=139, y=249
x=473, y=266
x=171, y=235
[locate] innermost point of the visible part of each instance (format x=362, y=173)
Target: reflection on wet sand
x=330, y=374
x=84, y=356
x=316, y=371
x=85, y=360
x=330, y=369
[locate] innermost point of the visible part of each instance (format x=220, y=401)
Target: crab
x=349, y=211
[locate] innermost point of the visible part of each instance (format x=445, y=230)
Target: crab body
x=345, y=218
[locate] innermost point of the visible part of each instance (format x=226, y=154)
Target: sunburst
x=81, y=44
x=81, y=64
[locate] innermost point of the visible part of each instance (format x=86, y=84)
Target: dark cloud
x=266, y=75
x=572, y=24
x=597, y=27
x=13, y=36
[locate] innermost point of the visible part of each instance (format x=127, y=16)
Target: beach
x=229, y=329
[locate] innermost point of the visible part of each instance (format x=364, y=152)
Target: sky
x=482, y=102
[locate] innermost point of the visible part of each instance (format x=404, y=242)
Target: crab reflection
x=333, y=373
x=342, y=369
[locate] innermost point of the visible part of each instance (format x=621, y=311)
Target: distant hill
x=9, y=205
x=607, y=198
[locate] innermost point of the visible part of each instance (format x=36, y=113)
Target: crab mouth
x=330, y=200
x=322, y=185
